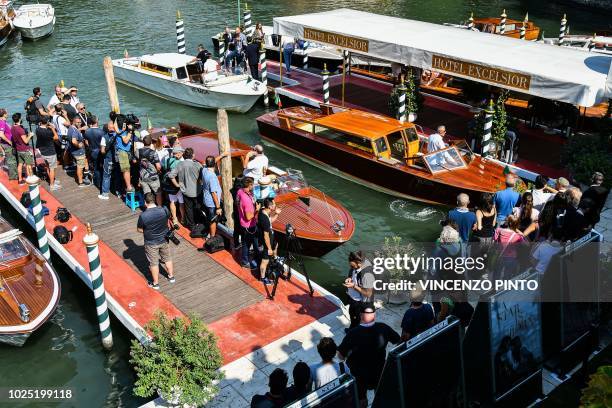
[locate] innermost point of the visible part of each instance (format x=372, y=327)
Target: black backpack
x=32, y=114
x=62, y=215
x=62, y=234
x=148, y=171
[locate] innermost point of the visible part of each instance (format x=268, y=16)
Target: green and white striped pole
x=325, y=74
x=486, y=137
x=470, y=25
x=180, y=33
x=39, y=219
x=524, y=27
x=401, y=110
x=264, y=73
x=97, y=283
x=502, y=23
x=562, y=30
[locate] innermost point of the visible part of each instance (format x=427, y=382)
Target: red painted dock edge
x=310, y=86
x=238, y=334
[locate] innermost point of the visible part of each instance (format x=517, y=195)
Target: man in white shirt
x=210, y=70
x=55, y=99
x=541, y=192
x=436, y=140
x=74, y=99
x=255, y=163
x=328, y=369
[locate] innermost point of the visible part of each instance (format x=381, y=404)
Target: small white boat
x=174, y=77
x=600, y=44
x=35, y=21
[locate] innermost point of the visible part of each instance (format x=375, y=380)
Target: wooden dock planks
x=200, y=279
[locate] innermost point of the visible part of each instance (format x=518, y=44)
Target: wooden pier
x=214, y=287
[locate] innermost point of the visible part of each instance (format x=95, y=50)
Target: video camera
x=171, y=236
x=129, y=119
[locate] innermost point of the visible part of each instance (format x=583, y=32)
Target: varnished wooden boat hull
x=312, y=222
x=364, y=170
x=39, y=290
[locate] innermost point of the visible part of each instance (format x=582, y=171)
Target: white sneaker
x=103, y=196
x=57, y=182
x=55, y=187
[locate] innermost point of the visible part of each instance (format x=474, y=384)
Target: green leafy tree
x=181, y=361
x=583, y=155
x=500, y=120
x=598, y=393
x=414, y=99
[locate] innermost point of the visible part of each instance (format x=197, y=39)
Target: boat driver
x=201, y=58
x=255, y=163
x=436, y=140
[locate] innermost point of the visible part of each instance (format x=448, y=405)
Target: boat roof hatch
x=168, y=60
x=364, y=124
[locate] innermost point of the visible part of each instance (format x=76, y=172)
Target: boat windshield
x=293, y=180
x=448, y=159
x=12, y=250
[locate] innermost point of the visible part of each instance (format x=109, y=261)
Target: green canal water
x=66, y=352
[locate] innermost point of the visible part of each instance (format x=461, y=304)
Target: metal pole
x=471, y=22
x=239, y=11
x=524, y=27
x=305, y=59
x=502, y=23
x=280, y=59
x=401, y=110
x=180, y=33
x=97, y=284
x=325, y=74
x=264, y=73
x=343, y=75
x=486, y=138
x=39, y=219
x=592, y=42
x=562, y=29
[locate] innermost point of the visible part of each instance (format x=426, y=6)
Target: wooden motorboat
x=381, y=152
x=321, y=223
x=29, y=287
x=319, y=55
x=175, y=77
x=35, y=21
x=513, y=27
x=7, y=14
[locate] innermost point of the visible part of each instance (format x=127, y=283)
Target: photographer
x=265, y=219
x=153, y=223
x=359, y=284
x=61, y=123
x=123, y=150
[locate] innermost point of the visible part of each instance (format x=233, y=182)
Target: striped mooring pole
x=325, y=74
x=97, y=283
x=502, y=23
x=486, y=137
x=562, y=29
x=401, y=109
x=39, y=219
x=247, y=18
x=346, y=61
x=470, y=25
x=180, y=33
x=524, y=27
x=264, y=73
x=305, y=59
x=221, y=52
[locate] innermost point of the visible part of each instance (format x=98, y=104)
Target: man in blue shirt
x=463, y=217
x=506, y=200
x=212, y=194
x=77, y=149
x=93, y=137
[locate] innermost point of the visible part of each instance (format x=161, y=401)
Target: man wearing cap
x=171, y=186
x=365, y=348
x=255, y=163
x=211, y=190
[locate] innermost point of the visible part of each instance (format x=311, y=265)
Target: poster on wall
x=516, y=337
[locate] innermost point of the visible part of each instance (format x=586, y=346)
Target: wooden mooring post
x=225, y=166
x=110, y=84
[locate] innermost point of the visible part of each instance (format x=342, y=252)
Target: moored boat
x=35, y=21
x=177, y=78
x=380, y=152
x=597, y=43
x=320, y=223
x=492, y=25
x=29, y=287
x=7, y=14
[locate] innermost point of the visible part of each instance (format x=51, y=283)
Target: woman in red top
x=21, y=140
x=509, y=239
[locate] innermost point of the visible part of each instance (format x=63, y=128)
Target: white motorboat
x=600, y=44
x=174, y=77
x=35, y=21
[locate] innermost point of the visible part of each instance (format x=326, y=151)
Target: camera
x=129, y=119
x=171, y=237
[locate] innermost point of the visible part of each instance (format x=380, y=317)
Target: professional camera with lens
x=129, y=119
x=171, y=237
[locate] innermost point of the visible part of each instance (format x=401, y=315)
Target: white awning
x=548, y=71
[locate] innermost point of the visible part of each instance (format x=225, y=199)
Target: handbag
x=62, y=234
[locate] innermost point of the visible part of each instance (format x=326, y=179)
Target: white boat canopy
x=168, y=60
x=548, y=71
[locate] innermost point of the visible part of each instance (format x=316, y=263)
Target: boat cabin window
x=12, y=250
x=444, y=160
x=359, y=143
x=411, y=134
x=156, y=68
x=381, y=145
x=181, y=73
x=398, y=148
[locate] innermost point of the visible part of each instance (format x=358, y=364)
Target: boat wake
x=405, y=209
